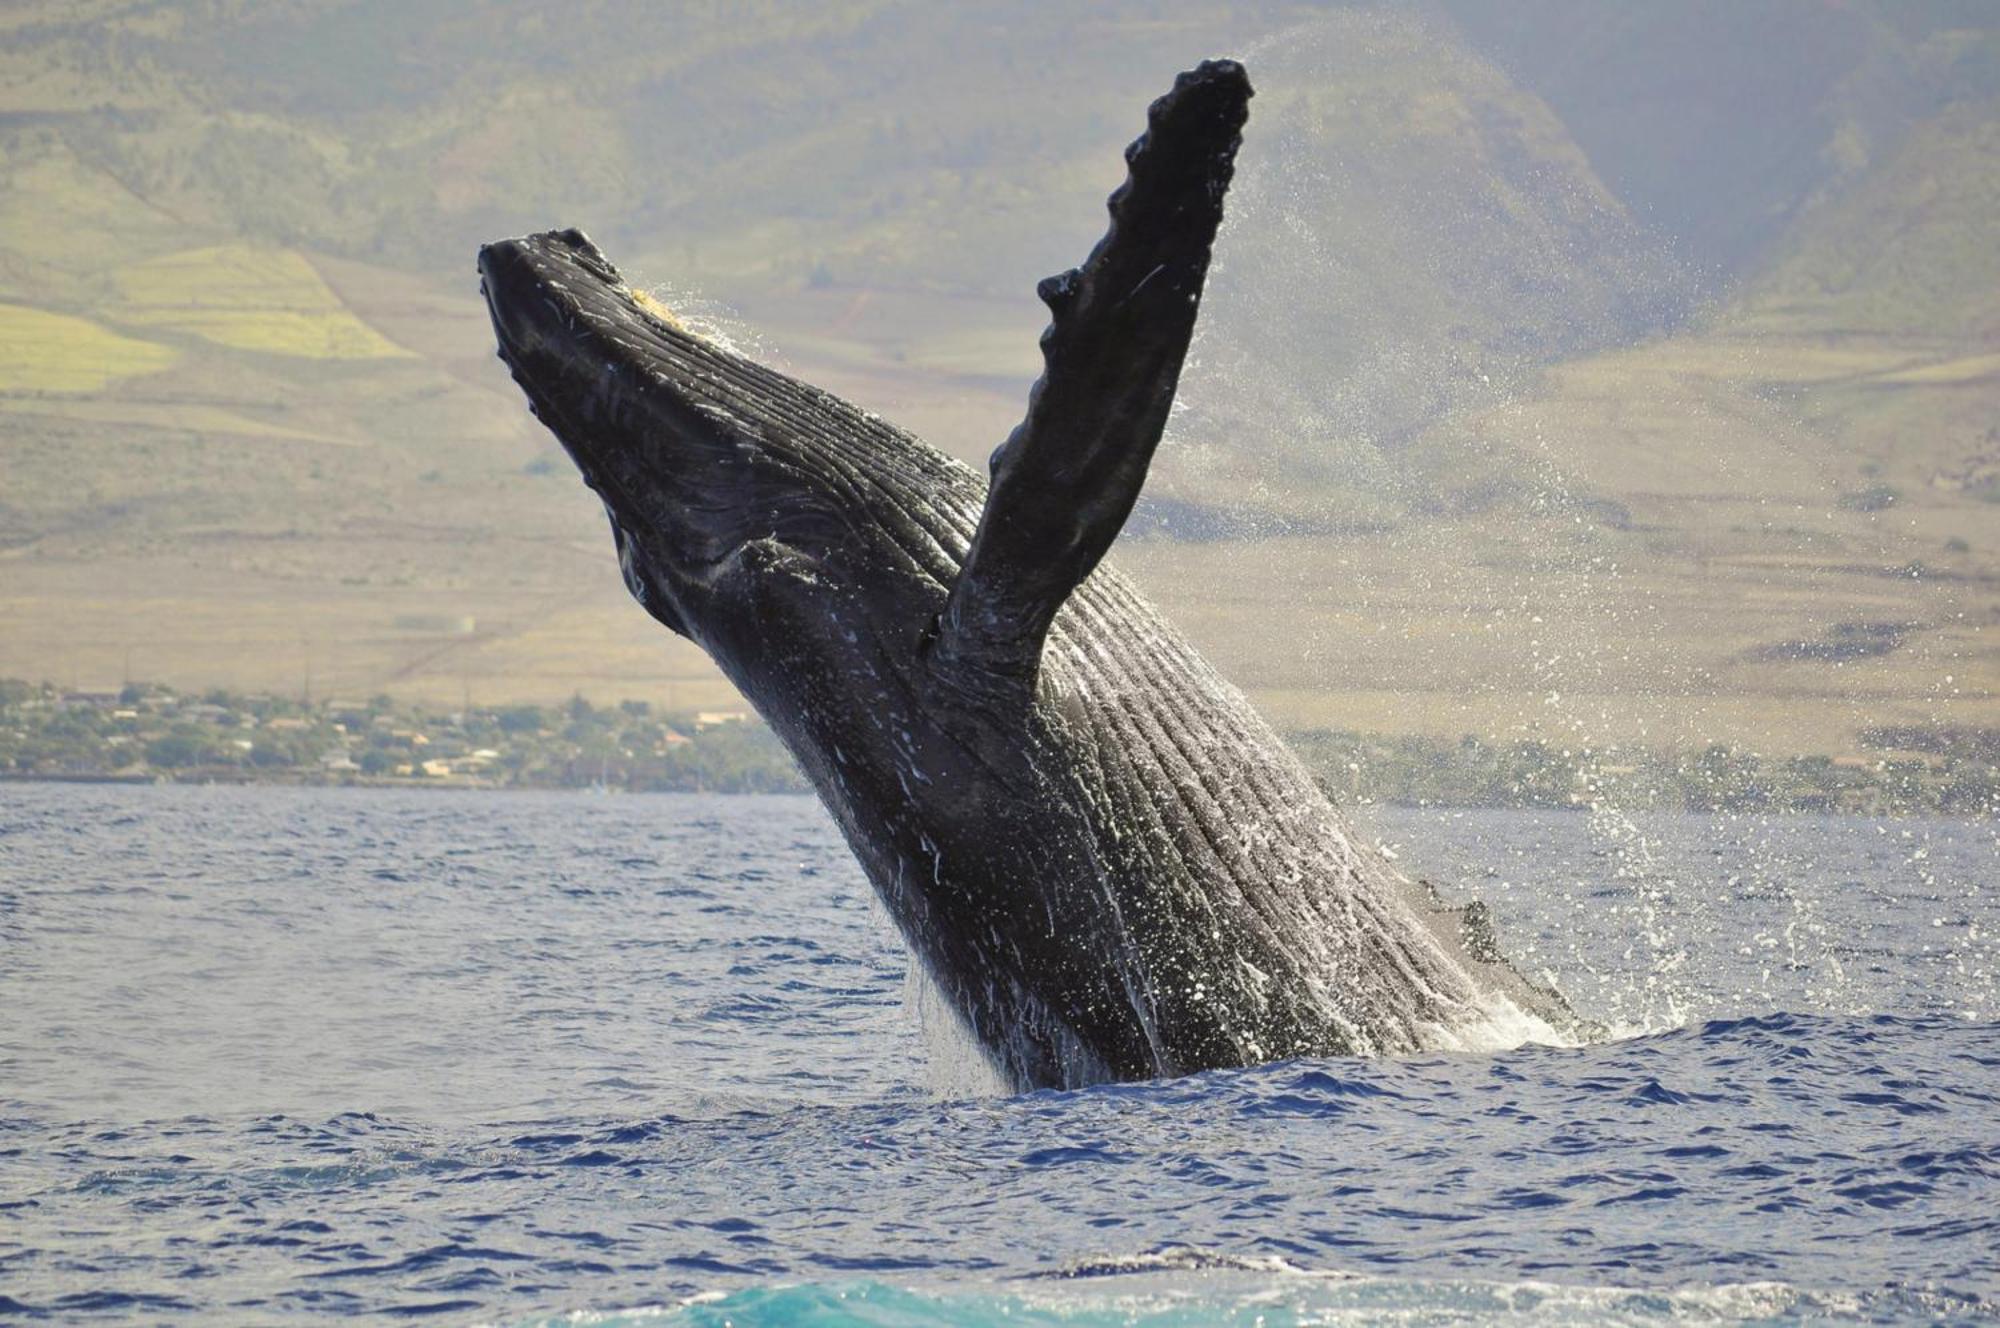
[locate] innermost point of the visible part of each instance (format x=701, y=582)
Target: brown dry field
x=347, y=573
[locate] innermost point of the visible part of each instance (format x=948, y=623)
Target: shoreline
x=146, y=734
x=462, y=787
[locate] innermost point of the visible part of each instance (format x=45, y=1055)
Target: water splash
x=714, y=321
x=1422, y=451
x=1269, y=1298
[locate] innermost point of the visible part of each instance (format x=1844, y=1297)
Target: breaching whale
x=1109, y=863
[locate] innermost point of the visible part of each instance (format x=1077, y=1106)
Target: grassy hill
x=1720, y=123
x=1505, y=443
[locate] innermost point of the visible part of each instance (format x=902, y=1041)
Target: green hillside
x=1905, y=251
x=1719, y=123
x=1410, y=234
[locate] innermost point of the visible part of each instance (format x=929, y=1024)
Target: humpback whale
x=1111, y=866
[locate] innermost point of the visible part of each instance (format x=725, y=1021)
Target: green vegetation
x=1874, y=498
x=248, y=298
x=49, y=352
x=1913, y=771
x=144, y=733
x=1909, y=247
x=147, y=733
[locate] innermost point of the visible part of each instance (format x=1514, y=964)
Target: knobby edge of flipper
x=1067, y=478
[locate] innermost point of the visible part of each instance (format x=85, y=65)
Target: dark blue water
x=272, y=1054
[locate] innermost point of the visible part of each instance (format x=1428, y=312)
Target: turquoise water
x=1276, y=1296
x=272, y=1054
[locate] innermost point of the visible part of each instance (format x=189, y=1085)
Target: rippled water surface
x=269, y=1054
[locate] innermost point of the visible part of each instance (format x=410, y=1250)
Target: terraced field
x=43, y=351
x=270, y=301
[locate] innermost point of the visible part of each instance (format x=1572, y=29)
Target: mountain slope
x=1449, y=421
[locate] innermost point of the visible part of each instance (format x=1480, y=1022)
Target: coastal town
x=141, y=733
x=146, y=733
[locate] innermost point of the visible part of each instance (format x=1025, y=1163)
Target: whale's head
x=794, y=537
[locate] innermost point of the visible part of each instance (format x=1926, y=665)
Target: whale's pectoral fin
x=1067, y=478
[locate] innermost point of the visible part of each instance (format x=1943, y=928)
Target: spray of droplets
x=1375, y=338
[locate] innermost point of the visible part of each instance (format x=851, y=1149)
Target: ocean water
x=269, y=1054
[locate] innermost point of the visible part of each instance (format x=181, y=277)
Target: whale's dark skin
x=1110, y=865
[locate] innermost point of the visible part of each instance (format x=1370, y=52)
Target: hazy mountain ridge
x=1722, y=124
x=1906, y=250
x=234, y=124
x=1410, y=234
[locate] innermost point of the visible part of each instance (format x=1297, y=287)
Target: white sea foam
x=1500, y=1026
